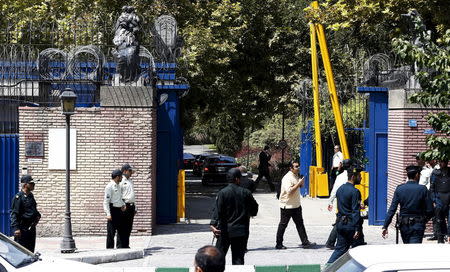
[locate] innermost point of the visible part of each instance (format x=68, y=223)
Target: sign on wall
x=57, y=149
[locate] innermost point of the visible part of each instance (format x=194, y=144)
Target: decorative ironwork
x=379, y=71
x=167, y=42
x=127, y=44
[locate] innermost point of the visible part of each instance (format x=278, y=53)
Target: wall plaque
x=34, y=149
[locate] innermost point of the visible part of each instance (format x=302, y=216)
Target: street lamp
x=68, y=98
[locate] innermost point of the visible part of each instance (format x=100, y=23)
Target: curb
x=107, y=257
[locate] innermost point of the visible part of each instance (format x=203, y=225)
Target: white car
x=394, y=258
x=14, y=257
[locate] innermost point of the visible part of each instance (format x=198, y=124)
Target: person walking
x=341, y=179
x=24, y=214
x=440, y=191
x=290, y=206
x=246, y=180
x=114, y=208
x=336, y=165
x=209, y=259
x=263, y=168
x=128, y=196
x=231, y=217
x=349, y=221
x=416, y=208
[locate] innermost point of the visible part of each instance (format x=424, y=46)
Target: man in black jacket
x=231, y=217
x=440, y=191
x=349, y=221
x=24, y=214
x=263, y=168
x=416, y=207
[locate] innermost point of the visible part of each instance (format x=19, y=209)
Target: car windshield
x=222, y=160
x=345, y=264
x=188, y=156
x=15, y=254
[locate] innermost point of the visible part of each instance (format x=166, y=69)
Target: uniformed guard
x=114, y=208
x=129, y=198
x=24, y=214
x=233, y=208
x=440, y=192
x=349, y=221
x=416, y=208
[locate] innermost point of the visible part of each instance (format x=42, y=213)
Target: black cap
x=347, y=163
x=413, y=169
x=126, y=167
x=233, y=173
x=116, y=173
x=26, y=179
x=418, y=156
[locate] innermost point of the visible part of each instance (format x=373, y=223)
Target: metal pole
x=68, y=244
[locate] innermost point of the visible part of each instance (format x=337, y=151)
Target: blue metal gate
x=9, y=171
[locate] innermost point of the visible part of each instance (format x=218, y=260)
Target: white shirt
x=113, y=195
x=425, y=176
x=341, y=179
x=287, y=200
x=127, y=187
x=338, y=157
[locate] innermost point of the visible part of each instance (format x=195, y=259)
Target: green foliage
x=433, y=62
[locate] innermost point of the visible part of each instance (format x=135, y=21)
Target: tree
x=432, y=59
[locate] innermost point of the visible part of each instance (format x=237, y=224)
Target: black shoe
x=280, y=247
x=432, y=238
x=308, y=244
x=330, y=247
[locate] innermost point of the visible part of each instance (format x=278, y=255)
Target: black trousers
x=412, y=233
x=265, y=173
x=128, y=218
x=116, y=225
x=344, y=241
x=332, y=179
x=27, y=238
x=238, y=246
x=333, y=237
x=285, y=216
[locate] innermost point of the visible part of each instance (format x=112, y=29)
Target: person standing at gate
x=231, y=217
x=416, y=208
x=336, y=165
x=263, y=168
x=128, y=196
x=24, y=214
x=348, y=221
x=440, y=191
x=114, y=208
x=290, y=206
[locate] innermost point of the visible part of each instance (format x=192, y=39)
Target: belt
x=129, y=204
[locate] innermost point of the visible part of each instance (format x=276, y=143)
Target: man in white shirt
x=338, y=157
x=114, y=208
x=290, y=206
x=129, y=198
x=425, y=174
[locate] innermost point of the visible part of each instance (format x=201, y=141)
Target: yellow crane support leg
x=332, y=90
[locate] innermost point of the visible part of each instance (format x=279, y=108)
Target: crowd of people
x=423, y=196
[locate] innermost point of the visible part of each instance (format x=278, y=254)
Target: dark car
x=188, y=160
x=215, y=168
x=198, y=164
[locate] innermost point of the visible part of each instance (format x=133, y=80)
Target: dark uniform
x=416, y=208
x=24, y=217
x=348, y=220
x=263, y=169
x=233, y=208
x=440, y=193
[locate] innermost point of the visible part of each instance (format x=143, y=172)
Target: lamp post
x=68, y=98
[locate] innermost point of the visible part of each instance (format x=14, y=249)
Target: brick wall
x=106, y=138
x=404, y=143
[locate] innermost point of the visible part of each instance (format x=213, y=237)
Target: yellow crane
x=318, y=176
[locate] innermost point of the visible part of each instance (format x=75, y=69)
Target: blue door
x=9, y=172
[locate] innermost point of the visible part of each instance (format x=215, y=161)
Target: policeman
x=128, y=197
x=416, y=208
x=24, y=214
x=114, y=208
x=233, y=208
x=349, y=221
x=440, y=191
